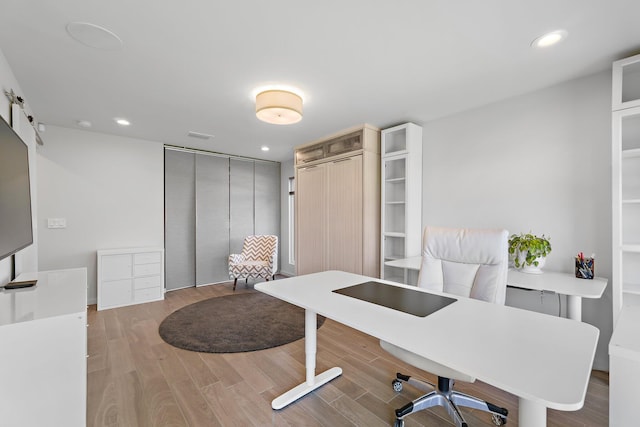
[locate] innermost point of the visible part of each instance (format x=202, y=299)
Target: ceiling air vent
x=199, y=135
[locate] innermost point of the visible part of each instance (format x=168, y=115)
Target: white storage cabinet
x=130, y=276
x=401, y=195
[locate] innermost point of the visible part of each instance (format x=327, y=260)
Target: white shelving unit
x=624, y=347
x=401, y=199
x=626, y=183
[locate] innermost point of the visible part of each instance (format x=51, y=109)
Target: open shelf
x=401, y=191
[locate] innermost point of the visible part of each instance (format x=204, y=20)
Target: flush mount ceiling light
x=549, y=39
x=279, y=107
x=122, y=122
x=94, y=36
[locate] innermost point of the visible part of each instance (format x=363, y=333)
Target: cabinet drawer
x=147, y=258
x=146, y=282
x=115, y=267
x=146, y=269
x=115, y=293
x=150, y=294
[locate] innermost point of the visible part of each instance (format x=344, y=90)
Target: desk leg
x=313, y=381
x=574, y=307
x=531, y=414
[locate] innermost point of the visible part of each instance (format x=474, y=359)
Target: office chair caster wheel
x=397, y=386
x=398, y=423
x=498, y=420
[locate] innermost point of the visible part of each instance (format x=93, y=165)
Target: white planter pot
x=531, y=269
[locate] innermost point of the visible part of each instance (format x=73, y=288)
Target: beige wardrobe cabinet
x=337, y=203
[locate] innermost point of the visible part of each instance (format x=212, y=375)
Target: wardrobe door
x=212, y=219
x=344, y=215
x=241, y=209
x=267, y=198
x=179, y=208
x=310, y=219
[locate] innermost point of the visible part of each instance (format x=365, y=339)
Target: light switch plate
x=56, y=223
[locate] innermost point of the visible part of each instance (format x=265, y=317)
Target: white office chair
x=469, y=263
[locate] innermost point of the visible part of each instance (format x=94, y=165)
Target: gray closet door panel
x=212, y=219
x=267, y=198
x=179, y=199
x=242, y=208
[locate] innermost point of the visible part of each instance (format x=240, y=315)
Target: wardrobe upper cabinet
x=338, y=203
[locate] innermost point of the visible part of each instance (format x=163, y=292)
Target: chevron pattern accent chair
x=259, y=259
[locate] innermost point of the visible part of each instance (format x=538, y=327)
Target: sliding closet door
x=310, y=219
x=212, y=202
x=344, y=215
x=241, y=210
x=179, y=208
x=267, y=198
x=212, y=219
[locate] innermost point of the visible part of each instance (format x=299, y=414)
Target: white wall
x=108, y=188
x=286, y=171
x=539, y=162
x=9, y=82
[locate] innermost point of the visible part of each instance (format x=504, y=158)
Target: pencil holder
x=584, y=268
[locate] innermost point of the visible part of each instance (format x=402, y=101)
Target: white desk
x=562, y=283
x=544, y=360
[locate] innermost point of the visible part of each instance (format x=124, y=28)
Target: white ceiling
x=192, y=65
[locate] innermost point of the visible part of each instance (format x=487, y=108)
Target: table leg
x=574, y=307
x=313, y=381
x=531, y=414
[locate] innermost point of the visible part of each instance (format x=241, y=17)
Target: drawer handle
x=346, y=159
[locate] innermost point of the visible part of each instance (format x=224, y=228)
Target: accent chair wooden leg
x=273, y=277
x=235, y=281
x=246, y=281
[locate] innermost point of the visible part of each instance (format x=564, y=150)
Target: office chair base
x=444, y=395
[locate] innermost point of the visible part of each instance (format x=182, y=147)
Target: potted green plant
x=529, y=252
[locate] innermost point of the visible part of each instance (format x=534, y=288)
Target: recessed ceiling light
x=83, y=123
x=122, y=122
x=549, y=39
x=94, y=36
x=264, y=148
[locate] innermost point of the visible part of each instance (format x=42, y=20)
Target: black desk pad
x=406, y=300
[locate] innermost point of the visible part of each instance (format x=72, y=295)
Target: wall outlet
x=56, y=223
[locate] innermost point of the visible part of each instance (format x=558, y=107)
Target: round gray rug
x=234, y=323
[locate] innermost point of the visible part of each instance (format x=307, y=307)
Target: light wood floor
x=136, y=379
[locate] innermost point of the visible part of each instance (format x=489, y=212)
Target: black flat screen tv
x=16, y=231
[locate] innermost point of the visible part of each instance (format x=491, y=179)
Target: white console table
x=562, y=283
x=624, y=368
x=43, y=351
